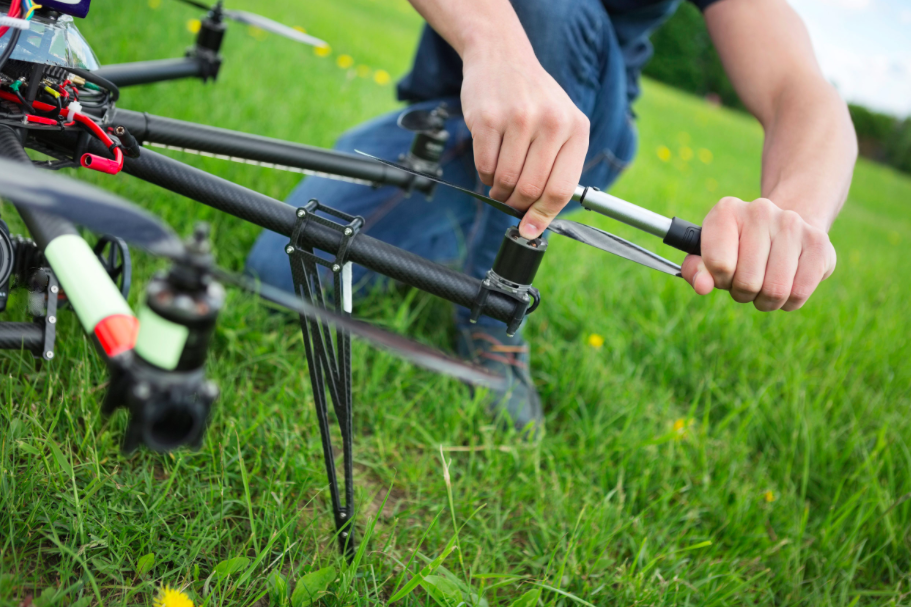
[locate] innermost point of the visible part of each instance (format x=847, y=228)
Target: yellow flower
x=171, y=597
x=680, y=428
x=344, y=61
x=679, y=425
x=193, y=25
x=322, y=51
x=595, y=341
x=300, y=29
x=768, y=496
x=255, y=32
x=363, y=71
x=381, y=77
x=705, y=156
x=154, y=3
x=664, y=153
x=686, y=154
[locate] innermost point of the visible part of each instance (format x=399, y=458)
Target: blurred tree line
x=685, y=58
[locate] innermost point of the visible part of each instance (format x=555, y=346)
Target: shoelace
x=499, y=351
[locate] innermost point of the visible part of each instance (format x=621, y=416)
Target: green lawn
x=706, y=454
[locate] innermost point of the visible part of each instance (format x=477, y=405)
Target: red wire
x=14, y=10
x=91, y=161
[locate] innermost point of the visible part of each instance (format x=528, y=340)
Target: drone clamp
x=329, y=364
x=513, y=271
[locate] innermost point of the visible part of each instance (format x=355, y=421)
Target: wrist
x=486, y=41
x=814, y=210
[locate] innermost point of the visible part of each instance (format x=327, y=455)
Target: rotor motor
x=164, y=384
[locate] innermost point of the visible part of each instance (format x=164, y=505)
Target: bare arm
x=530, y=140
x=774, y=251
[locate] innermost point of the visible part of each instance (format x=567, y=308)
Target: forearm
x=477, y=26
x=809, y=152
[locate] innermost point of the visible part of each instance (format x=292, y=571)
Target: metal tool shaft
x=625, y=212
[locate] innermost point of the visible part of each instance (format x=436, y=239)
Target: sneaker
x=507, y=356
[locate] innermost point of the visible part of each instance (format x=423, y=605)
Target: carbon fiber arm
x=277, y=216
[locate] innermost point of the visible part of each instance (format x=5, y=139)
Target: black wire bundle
x=10, y=46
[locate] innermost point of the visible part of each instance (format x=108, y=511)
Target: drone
x=56, y=99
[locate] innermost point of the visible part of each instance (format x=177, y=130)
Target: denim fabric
x=594, y=56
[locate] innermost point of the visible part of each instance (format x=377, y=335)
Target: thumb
x=535, y=221
x=695, y=273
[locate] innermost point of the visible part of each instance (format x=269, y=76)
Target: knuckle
x=553, y=120
x=761, y=209
x=560, y=192
x=791, y=222
x=776, y=292
x=530, y=190
x=524, y=118
x=507, y=179
x=745, y=283
x=720, y=266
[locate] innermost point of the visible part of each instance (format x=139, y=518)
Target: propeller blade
x=403, y=347
x=275, y=27
x=500, y=206
x=594, y=237
x=606, y=241
x=106, y=213
x=87, y=206
x=198, y=5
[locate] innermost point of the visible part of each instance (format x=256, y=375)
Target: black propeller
x=594, y=237
x=259, y=21
x=105, y=213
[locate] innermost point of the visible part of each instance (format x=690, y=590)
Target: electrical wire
x=10, y=46
x=15, y=10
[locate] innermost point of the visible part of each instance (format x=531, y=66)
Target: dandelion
x=381, y=77
x=686, y=153
x=171, y=597
x=193, y=25
x=154, y=3
x=680, y=425
x=344, y=61
x=664, y=153
x=257, y=33
x=769, y=496
x=322, y=51
x=705, y=156
x=363, y=71
x=595, y=341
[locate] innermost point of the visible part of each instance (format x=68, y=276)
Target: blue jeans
x=594, y=56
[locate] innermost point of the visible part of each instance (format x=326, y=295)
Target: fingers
x=694, y=272
x=721, y=241
x=561, y=183
x=510, y=160
x=753, y=256
x=486, y=140
x=783, y=261
x=817, y=262
x=761, y=254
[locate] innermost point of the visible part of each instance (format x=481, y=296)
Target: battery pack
x=76, y=8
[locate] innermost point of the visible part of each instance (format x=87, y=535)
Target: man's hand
x=760, y=253
x=530, y=140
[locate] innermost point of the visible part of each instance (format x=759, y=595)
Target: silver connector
x=625, y=212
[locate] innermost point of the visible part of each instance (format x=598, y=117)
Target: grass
x=706, y=454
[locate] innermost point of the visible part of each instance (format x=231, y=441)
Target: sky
x=864, y=48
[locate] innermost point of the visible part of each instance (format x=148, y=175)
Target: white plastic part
x=20, y=24
x=346, y=288
x=72, y=109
